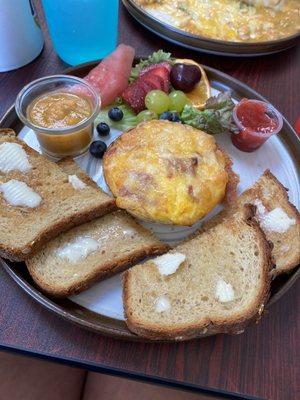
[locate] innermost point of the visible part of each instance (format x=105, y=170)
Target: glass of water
x=82, y=30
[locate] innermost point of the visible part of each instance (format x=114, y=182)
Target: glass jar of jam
x=257, y=121
x=61, y=110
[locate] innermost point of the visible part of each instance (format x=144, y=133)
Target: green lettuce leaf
x=128, y=121
x=216, y=116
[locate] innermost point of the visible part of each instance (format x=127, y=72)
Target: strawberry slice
x=165, y=75
x=135, y=95
x=156, y=77
x=153, y=79
x=146, y=85
x=164, y=64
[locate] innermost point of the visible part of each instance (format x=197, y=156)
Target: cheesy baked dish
x=166, y=172
x=230, y=20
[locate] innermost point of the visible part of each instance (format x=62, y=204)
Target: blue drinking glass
x=82, y=30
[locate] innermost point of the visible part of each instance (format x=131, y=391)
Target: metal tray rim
x=110, y=326
x=165, y=30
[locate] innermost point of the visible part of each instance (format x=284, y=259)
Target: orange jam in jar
x=61, y=118
x=58, y=110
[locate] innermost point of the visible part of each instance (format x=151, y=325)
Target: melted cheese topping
x=230, y=20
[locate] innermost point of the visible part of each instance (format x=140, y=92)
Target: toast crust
x=21, y=253
x=24, y=252
x=180, y=333
x=256, y=192
x=295, y=261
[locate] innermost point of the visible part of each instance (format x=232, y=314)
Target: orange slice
x=201, y=92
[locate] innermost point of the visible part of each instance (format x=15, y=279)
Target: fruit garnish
x=128, y=121
x=146, y=115
x=164, y=74
x=157, y=101
x=135, y=95
x=164, y=64
x=103, y=129
x=170, y=116
x=215, y=118
x=177, y=100
x=156, y=58
x=167, y=115
x=98, y=148
x=201, y=92
x=185, y=76
x=175, y=117
x=115, y=114
x=155, y=79
x=110, y=77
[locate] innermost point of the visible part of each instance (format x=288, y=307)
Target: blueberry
x=167, y=115
x=98, y=148
x=103, y=129
x=175, y=117
x=115, y=114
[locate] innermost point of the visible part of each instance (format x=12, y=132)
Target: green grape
x=177, y=101
x=157, y=101
x=146, y=115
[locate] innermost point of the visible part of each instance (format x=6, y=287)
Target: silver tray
x=204, y=44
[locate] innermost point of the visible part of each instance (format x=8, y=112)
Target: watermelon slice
x=110, y=77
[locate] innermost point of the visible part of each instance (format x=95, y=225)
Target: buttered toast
x=38, y=200
x=278, y=218
x=216, y=282
x=91, y=252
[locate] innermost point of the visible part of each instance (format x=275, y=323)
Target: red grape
x=185, y=77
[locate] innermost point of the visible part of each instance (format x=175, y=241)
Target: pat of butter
x=13, y=157
x=129, y=231
x=260, y=208
x=277, y=220
x=169, y=263
x=78, y=249
x=17, y=193
x=162, y=304
x=76, y=182
x=224, y=291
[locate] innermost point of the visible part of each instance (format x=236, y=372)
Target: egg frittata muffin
x=167, y=172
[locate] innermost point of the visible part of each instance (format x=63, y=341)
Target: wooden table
x=261, y=363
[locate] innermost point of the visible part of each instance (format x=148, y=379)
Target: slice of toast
x=270, y=192
x=69, y=166
x=24, y=229
x=121, y=243
x=222, y=284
